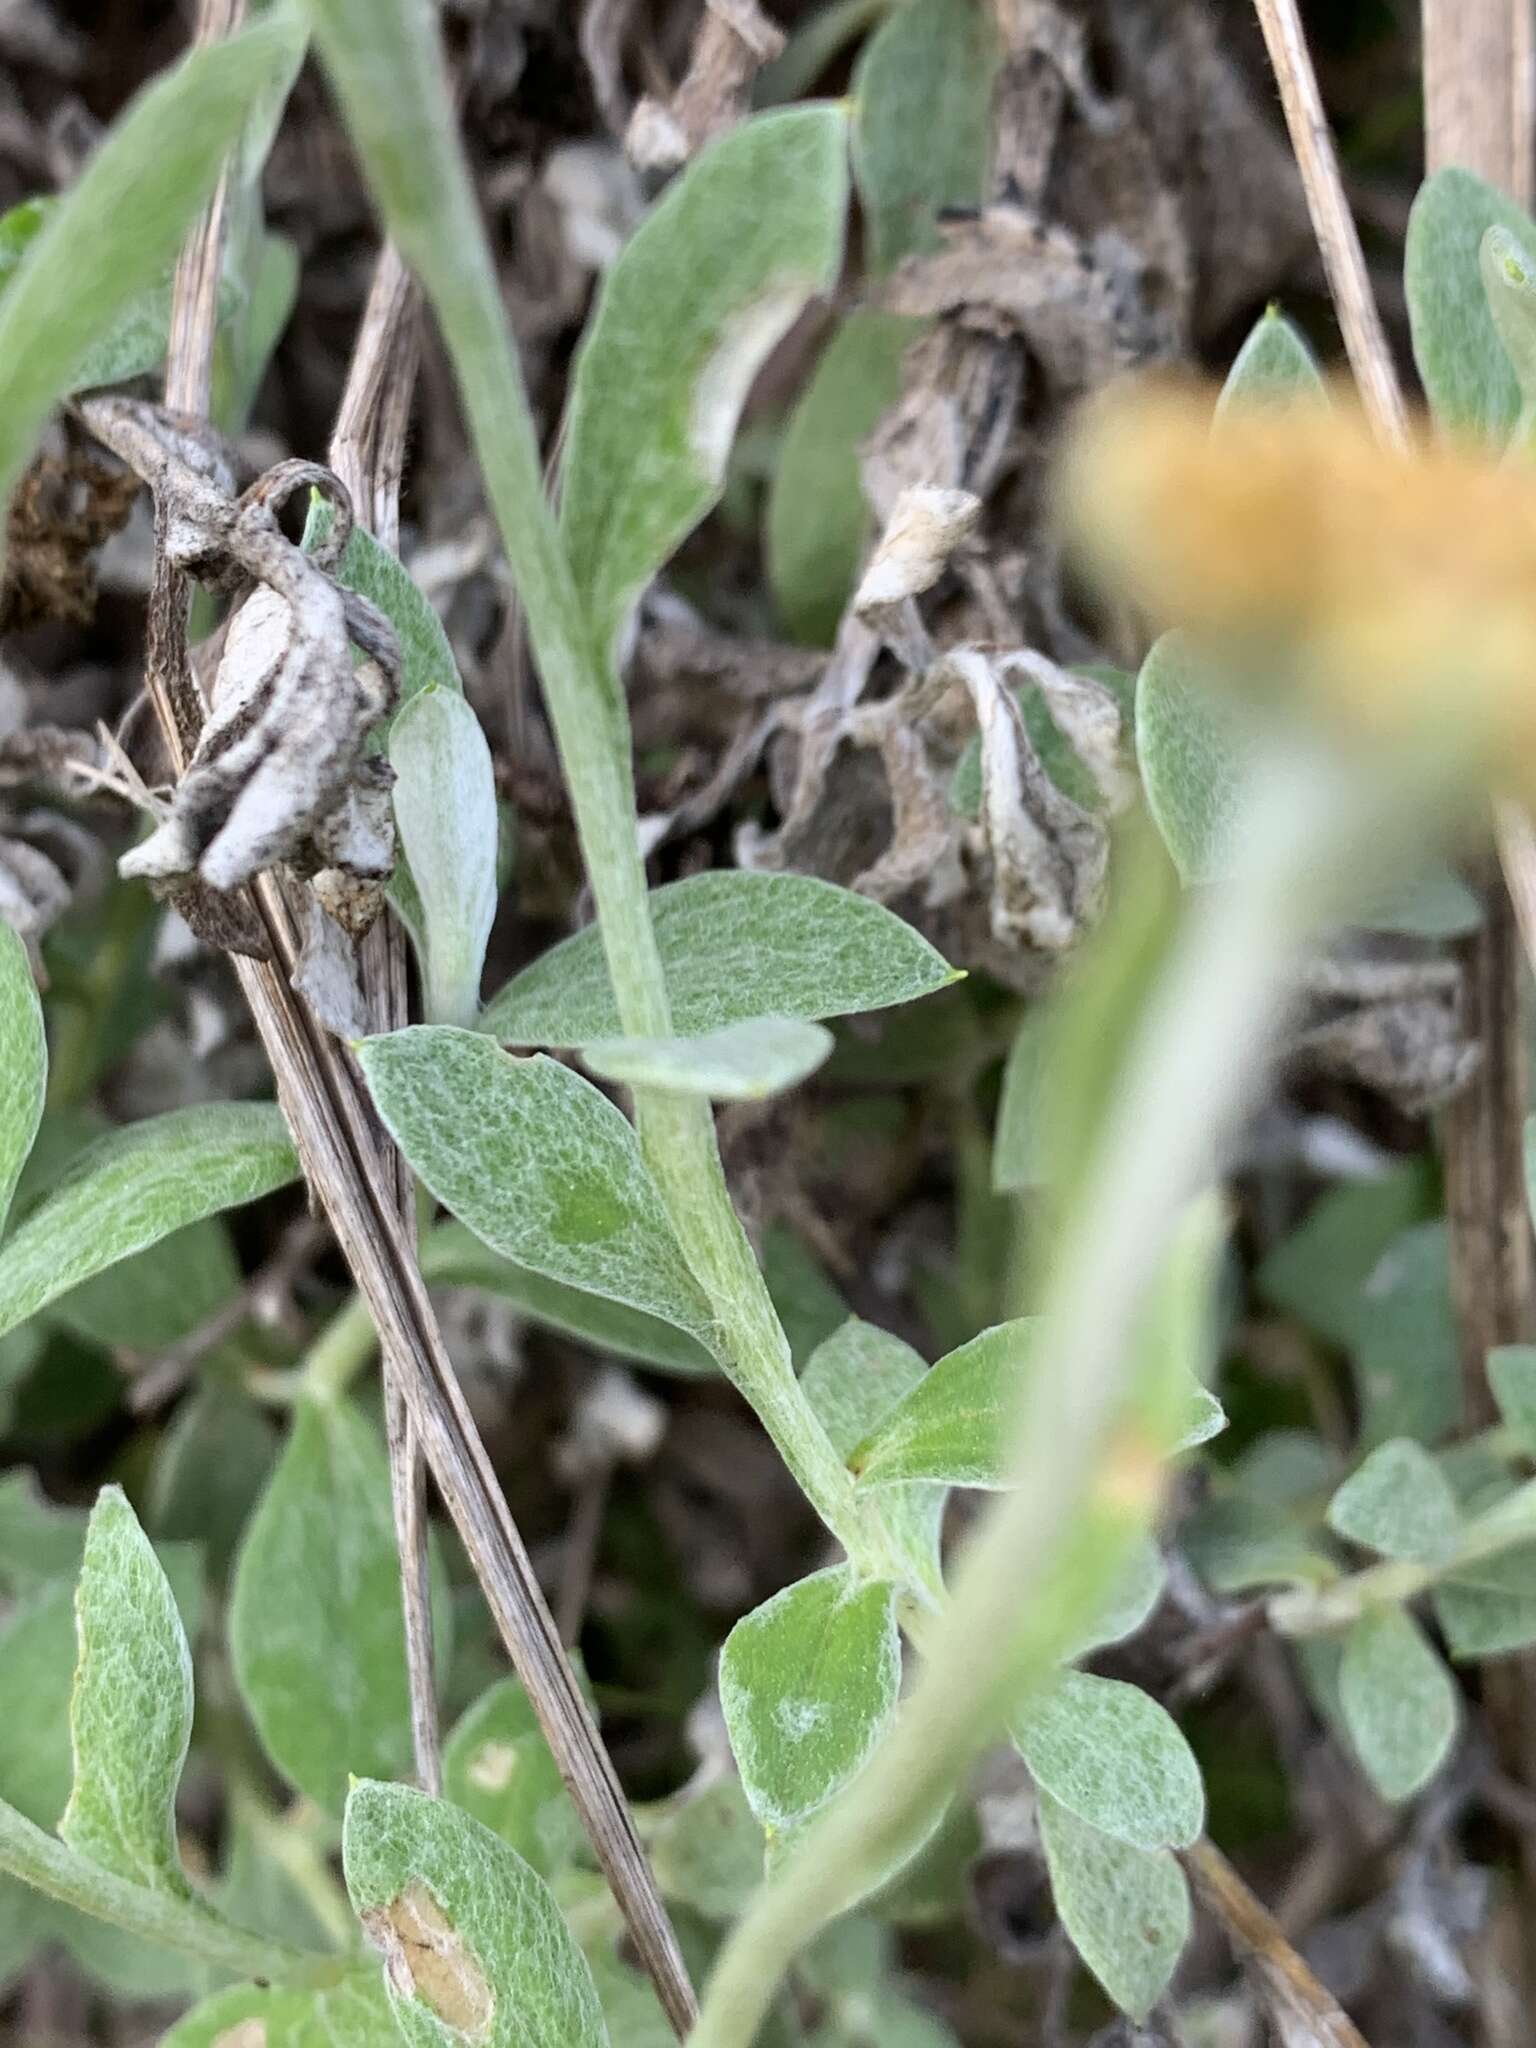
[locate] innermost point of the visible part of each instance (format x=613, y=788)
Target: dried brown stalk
x=1332, y=221
x=367, y=452
x=334, y=1131
x=1305, y=2011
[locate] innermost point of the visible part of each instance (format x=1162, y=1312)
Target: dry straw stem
x=367, y=452
x=333, y=1128
x=1304, y=2010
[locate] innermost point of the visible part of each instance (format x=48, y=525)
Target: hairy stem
x=187, y=1924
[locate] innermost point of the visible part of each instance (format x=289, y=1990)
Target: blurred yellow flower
x=1398, y=591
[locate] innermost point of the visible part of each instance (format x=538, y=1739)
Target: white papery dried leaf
x=924, y=529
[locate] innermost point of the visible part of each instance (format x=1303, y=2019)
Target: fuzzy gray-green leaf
x=130, y=1713
x=707, y=285
x=315, y=1628
x=1111, y=1754
x=739, y=1063
x=538, y=1163
x=817, y=519
x=923, y=127
x=1125, y=1909
x=853, y=1380
x=1512, y=1375
x=454, y=1256
x=134, y=1187
x=1398, y=1503
x=808, y=1682
x=1274, y=366
x=23, y=1064
x=351, y=2013
x=1194, y=753
x=445, y=808
x=1466, y=373
x=498, y=1767
x=118, y=229
x=1398, y=1701
x=954, y=1425
x=475, y=1947
x=734, y=945
x=426, y=655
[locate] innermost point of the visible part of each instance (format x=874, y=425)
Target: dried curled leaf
x=279, y=770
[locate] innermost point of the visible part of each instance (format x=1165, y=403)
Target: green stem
x=187, y=1924
x=1318, y=1611
x=387, y=63
x=340, y=1352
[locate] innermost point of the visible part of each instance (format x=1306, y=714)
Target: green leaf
x=1434, y=904
x=1274, y=366
x=817, y=522
x=499, y=1768
x=38, y=1652
x=474, y=1944
x=209, y=1466
x=954, y=1425
x=1131, y=1599
x=1126, y=1910
x=23, y=1064
x=315, y=1629
x=353, y=2013
x=537, y=1162
x=1318, y=1273
x=1406, y=1354
x=1490, y=1607
x=1195, y=752
x=853, y=1380
x=131, y=1709
x=734, y=945
x=1511, y=288
x=445, y=808
x=808, y=1682
x=708, y=1851
x=1398, y=1503
x=118, y=229
x=705, y=288
x=738, y=1063
x=926, y=73
x=1059, y=757
x=38, y=1541
x=455, y=1256
x=1462, y=363
x=134, y=1187
x=1512, y=1375
x=1109, y=1753
x=426, y=655
x=1398, y=1701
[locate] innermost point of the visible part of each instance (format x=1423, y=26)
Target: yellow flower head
x=1396, y=590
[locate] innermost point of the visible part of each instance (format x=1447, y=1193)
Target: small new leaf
x=1126, y=1910
x=1112, y=1755
x=130, y=1713
x=475, y=1948
x=1466, y=372
x=1398, y=1503
x=808, y=1682
x=1274, y=366
x=734, y=946
x=1398, y=1701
